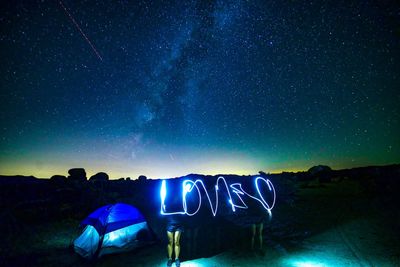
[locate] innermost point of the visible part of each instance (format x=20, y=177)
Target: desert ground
x=340, y=223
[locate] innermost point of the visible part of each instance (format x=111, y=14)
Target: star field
x=167, y=88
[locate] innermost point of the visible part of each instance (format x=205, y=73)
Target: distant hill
x=311, y=173
x=19, y=179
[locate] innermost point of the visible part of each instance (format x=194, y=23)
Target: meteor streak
x=80, y=30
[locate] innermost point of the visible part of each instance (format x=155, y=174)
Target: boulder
x=319, y=169
x=100, y=176
x=322, y=172
x=58, y=178
x=262, y=173
x=142, y=178
x=77, y=174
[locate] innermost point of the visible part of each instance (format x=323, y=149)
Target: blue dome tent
x=112, y=229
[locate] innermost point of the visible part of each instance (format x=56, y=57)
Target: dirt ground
x=340, y=226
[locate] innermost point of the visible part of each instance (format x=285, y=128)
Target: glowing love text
x=188, y=187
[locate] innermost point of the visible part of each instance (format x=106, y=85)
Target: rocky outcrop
x=58, y=178
x=100, y=176
x=321, y=172
x=142, y=178
x=319, y=169
x=77, y=174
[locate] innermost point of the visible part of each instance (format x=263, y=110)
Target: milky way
x=192, y=86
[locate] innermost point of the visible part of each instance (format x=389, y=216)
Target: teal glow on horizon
x=308, y=264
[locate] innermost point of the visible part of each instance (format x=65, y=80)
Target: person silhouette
x=174, y=231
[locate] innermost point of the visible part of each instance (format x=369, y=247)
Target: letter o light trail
x=189, y=185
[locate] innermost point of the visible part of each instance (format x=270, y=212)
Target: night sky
x=165, y=89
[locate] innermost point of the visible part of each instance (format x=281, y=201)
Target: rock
x=142, y=178
x=318, y=169
x=322, y=172
x=77, y=174
x=100, y=176
x=58, y=178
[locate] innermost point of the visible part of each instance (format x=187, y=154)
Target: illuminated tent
x=112, y=229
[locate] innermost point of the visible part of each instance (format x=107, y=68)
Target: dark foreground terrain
x=334, y=218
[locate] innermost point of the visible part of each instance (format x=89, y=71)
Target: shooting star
x=80, y=30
